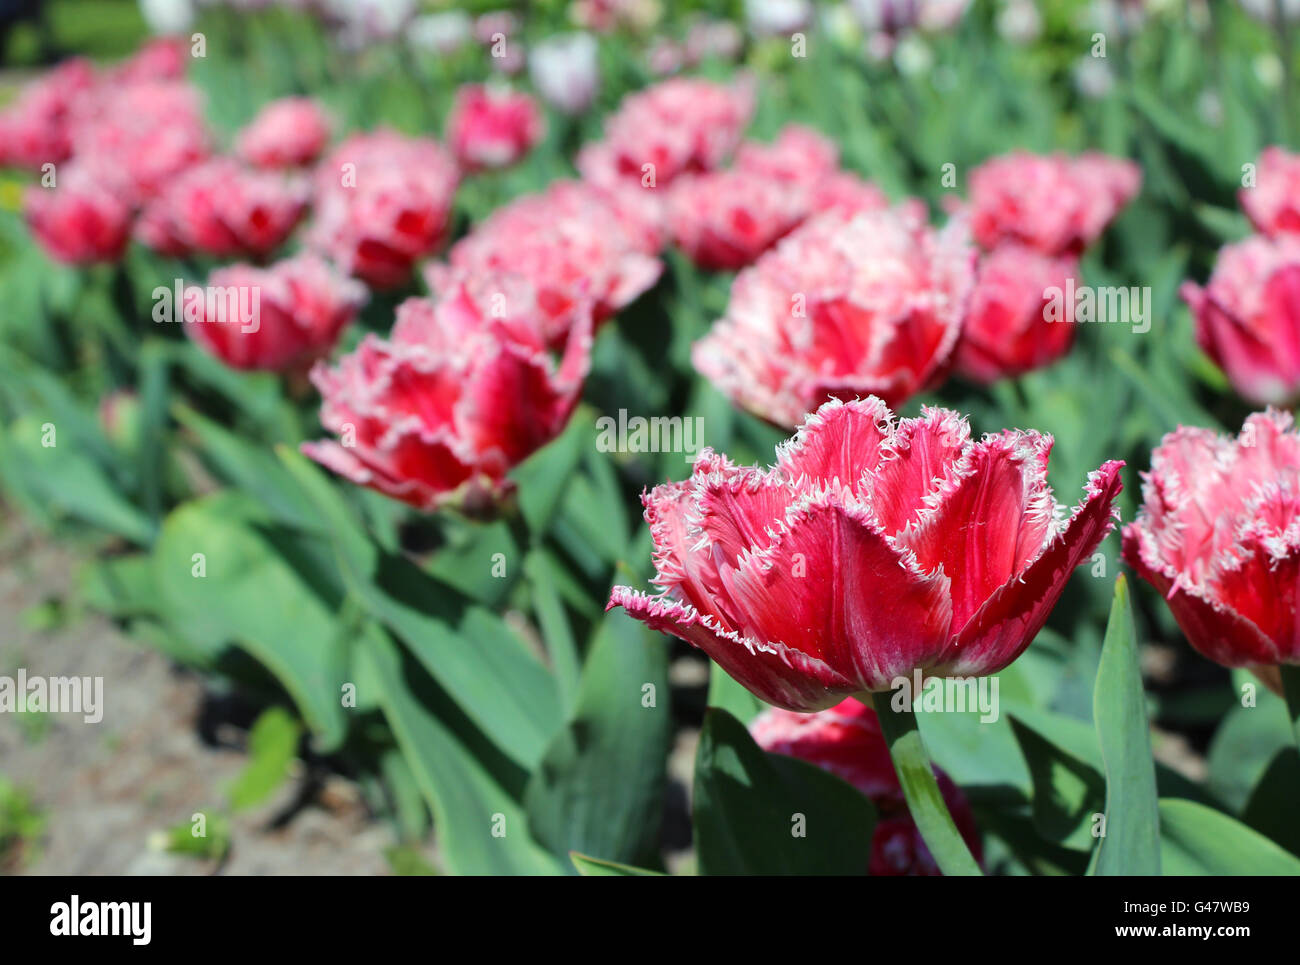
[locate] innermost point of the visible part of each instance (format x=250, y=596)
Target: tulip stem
x=921, y=790
x=1291, y=692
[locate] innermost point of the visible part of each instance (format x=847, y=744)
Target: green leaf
x=542, y=477
x=595, y=867
x=1067, y=792
x=584, y=796
x=1196, y=840
x=1131, y=844
x=1271, y=808
x=481, y=827
x=730, y=696
x=751, y=807
x=224, y=538
x=272, y=747
x=554, y=624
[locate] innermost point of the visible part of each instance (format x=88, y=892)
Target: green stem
x=1291, y=691
x=921, y=790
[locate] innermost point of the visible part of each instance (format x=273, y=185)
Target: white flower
x=566, y=72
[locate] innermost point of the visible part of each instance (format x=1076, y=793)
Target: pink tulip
x=492, y=128
x=1248, y=317
x=463, y=390
x=383, y=201
x=287, y=133
x=1008, y=329
x=1273, y=203
x=81, y=220
x=1055, y=203
x=872, y=549
x=845, y=306
x=1218, y=537
x=299, y=307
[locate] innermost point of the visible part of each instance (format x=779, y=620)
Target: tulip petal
x=921, y=454
x=1008, y=622
x=838, y=443
x=775, y=673
x=833, y=587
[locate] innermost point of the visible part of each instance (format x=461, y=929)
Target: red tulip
x=287, y=133
x=1248, y=317
x=83, y=219
x=223, y=209
x=463, y=390
x=1218, y=537
x=573, y=244
x=299, y=307
x=383, y=201
x=1273, y=203
x=1054, y=203
x=491, y=127
x=847, y=305
x=871, y=550
x=675, y=127
x=1008, y=330
x=846, y=740
x=162, y=58
x=725, y=219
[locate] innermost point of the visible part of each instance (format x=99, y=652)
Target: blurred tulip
x=847, y=305
x=462, y=391
x=37, y=129
x=871, y=550
x=286, y=133
x=846, y=741
x=383, y=201
x=82, y=219
x=1218, y=537
x=1248, y=317
x=571, y=243
x=566, y=71
x=1273, y=202
x=223, y=209
x=299, y=305
x=1054, y=203
x=1007, y=331
x=491, y=127
x=723, y=220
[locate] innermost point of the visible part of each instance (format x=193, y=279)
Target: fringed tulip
x=298, y=308
x=287, y=133
x=872, y=549
x=1010, y=328
x=1273, y=202
x=1248, y=317
x=1219, y=536
x=491, y=127
x=81, y=220
x=383, y=201
x=463, y=390
x=1055, y=203
x=847, y=305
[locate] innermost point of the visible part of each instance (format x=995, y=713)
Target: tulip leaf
x=730, y=696
x=1131, y=842
x=1197, y=840
x=221, y=577
x=1271, y=808
x=480, y=826
x=583, y=796
x=761, y=813
x=590, y=867
x=543, y=476
x=1067, y=792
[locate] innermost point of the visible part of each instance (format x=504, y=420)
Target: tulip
x=847, y=741
x=573, y=243
x=1248, y=317
x=870, y=552
x=223, y=209
x=36, y=129
x=287, y=133
x=1218, y=536
x=300, y=306
x=462, y=391
x=1054, y=203
x=675, y=127
x=846, y=305
x=1273, y=202
x=492, y=128
x=725, y=219
x=83, y=219
x=566, y=71
x=1007, y=330
x=383, y=201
